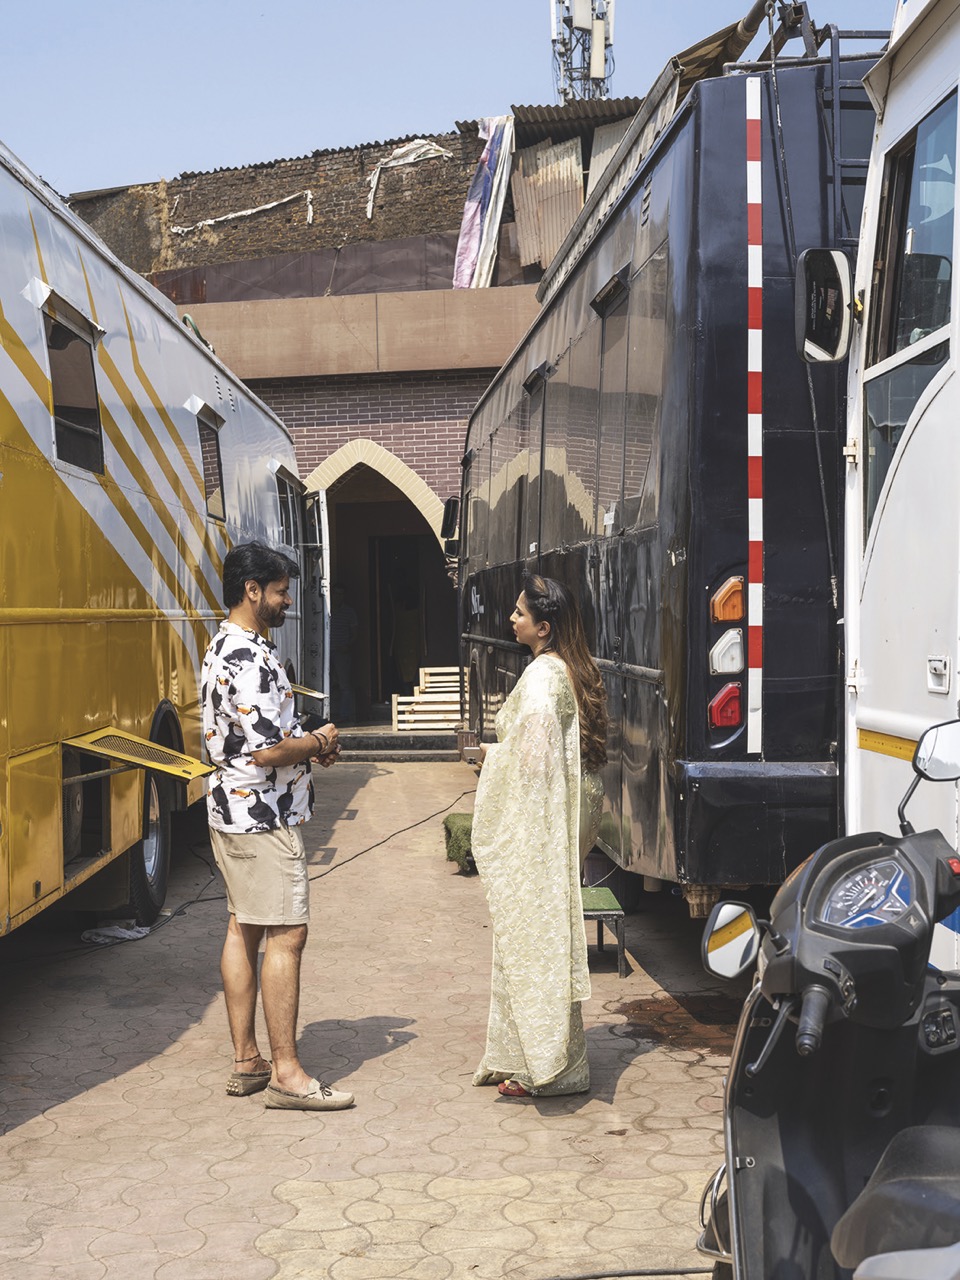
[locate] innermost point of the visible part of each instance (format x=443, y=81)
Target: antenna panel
x=582, y=14
x=598, y=50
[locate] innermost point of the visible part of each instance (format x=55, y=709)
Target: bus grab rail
x=649, y=675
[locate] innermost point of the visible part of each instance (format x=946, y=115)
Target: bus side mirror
x=822, y=306
x=451, y=514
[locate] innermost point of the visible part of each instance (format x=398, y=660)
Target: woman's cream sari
x=535, y=819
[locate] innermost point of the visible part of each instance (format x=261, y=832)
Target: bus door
x=903, y=517
x=315, y=598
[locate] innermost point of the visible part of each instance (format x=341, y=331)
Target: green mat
x=456, y=828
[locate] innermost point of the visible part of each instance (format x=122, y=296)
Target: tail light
x=726, y=656
x=726, y=709
x=727, y=602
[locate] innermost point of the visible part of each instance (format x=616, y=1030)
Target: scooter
x=842, y=1103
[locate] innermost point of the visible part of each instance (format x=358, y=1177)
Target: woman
x=536, y=818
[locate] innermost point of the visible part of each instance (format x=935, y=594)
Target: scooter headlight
x=870, y=894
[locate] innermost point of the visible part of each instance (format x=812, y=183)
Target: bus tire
x=150, y=858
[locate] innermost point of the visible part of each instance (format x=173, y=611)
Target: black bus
x=656, y=443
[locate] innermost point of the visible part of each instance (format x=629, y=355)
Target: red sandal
x=512, y=1089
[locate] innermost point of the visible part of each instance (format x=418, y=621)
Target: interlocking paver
x=121, y=1154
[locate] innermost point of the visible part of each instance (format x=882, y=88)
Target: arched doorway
x=389, y=561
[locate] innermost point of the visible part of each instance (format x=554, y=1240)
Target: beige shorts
x=266, y=875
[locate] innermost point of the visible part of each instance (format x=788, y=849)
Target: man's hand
x=331, y=753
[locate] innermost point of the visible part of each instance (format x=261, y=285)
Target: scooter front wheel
x=722, y=1271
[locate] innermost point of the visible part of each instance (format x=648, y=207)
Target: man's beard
x=271, y=618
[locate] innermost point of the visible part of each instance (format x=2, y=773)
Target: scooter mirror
x=730, y=940
x=937, y=757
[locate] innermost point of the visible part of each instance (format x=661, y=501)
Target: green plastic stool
x=599, y=904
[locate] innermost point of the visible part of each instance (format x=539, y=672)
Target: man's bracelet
x=319, y=738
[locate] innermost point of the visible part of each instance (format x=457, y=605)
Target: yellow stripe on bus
x=159, y=405
x=19, y=353
x=124, y=451
x=131, y=404
x=886, y=744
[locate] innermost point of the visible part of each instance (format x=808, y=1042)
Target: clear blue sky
x=99, y=93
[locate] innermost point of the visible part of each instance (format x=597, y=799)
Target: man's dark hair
x=252, y=561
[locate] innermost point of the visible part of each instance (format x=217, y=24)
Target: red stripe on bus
x=753, y=138
x=755, y=561
x=755, y=308
x=754, y=392
x=755, y=659
x=755, y=224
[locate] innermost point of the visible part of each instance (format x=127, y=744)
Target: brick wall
x=421, y=419
x=423, y=198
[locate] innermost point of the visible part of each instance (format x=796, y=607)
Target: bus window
x=530, y=540
x=889, y=401
x=915, y=262
x=911, y=288
x=644, y=387
x=570, y=444
x=613, y=377
x=207, y=425
x=584, y=405
x=479, y=506
x=556, y=458
x=76, y=406
x=508, y=481
x=289, y=513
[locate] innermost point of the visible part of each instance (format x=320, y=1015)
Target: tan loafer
x=320, y=1097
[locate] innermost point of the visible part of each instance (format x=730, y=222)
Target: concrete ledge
x=368, y=333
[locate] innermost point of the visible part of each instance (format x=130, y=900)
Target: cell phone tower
x=581, y=32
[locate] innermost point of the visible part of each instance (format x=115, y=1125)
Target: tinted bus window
x=644, y=386
x=915, y=262
x=912, y=284
x=584, y=375
x=76, y=406
x=613, y=379
x=554, y=478
x=508, y=481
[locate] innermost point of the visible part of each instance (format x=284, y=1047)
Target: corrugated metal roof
x=560, y=174
x=567, y=120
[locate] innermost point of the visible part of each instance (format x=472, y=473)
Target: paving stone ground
x=122, y=1156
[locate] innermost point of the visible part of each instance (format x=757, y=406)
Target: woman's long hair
x=550, y=601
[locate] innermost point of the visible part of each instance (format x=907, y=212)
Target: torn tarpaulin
x=480, y=228
x=409, y=153
x=248, y=213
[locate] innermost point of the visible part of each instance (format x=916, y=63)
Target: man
x=259, y=796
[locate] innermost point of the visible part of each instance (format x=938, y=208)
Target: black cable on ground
x=631, y=1275
x=201, y=900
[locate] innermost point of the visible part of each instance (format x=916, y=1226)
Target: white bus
x=131, y=460
x=902, y=536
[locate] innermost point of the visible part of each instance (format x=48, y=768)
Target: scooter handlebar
x=813, y=1018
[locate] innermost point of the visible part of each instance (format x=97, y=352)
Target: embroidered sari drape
x=535, y=818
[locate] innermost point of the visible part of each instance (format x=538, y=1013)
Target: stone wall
x=422, y=198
